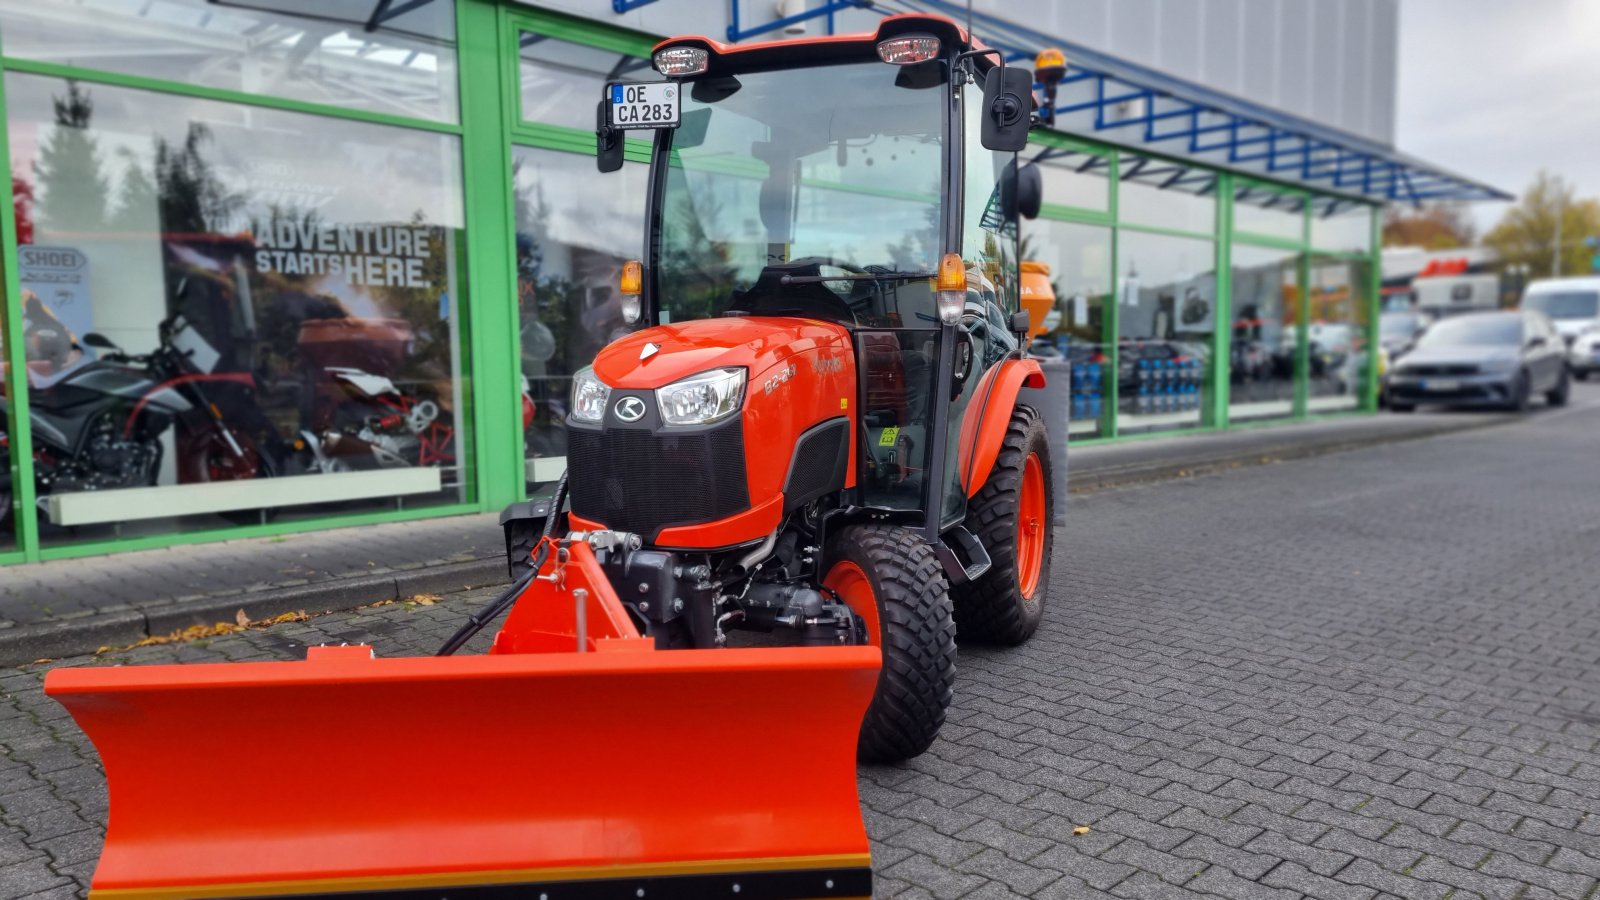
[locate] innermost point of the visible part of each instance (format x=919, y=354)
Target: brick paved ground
x=1366, y=674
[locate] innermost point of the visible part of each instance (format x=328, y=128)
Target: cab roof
x=733, y=58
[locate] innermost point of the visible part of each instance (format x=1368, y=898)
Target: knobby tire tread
x=917, y=637
x=992, y=610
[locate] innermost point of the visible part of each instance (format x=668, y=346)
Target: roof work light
x=679, y=61
x=904, y=51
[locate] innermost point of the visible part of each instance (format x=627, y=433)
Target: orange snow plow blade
x=622, y=772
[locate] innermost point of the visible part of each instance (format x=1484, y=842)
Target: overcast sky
x=1495, y=89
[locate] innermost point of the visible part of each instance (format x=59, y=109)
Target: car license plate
x=1441, y=384
x=649, y=105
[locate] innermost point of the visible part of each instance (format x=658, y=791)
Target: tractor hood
x=689, y=348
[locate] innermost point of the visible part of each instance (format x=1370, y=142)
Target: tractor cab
x=868, y=181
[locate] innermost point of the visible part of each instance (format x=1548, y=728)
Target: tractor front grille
x=639, y=481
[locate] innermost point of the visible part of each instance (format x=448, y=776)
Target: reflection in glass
x=1337, y=336
x=1342, y=227
x=1166, y=313
x=8, y=492
x=561, y=82
x=1264, y=346
x=317, y=52
x=575, y=228
x=1147, y=203
x=1078, y=262
x=215, y=293
x=1259, y=210
x=1073, y=178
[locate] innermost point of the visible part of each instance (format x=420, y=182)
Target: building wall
x=1333, y=61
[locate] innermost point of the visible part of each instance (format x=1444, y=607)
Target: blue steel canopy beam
x=621, y=6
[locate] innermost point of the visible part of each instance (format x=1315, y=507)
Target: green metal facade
x=490, y=127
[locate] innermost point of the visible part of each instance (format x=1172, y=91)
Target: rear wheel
x=1557, y=396
x=1581, y=374
x=890, y=577
x=1011, y=514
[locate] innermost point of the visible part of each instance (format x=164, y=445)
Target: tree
x=72, y=185
x=1435, y=226
x=1526, y=234
x=193, y=200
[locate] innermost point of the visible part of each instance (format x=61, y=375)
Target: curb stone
x=70, y=637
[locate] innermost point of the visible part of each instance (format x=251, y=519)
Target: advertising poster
x=56, y=308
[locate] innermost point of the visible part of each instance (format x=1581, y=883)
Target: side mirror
x=607, y=141
x=1007, y=108
x=98, y=341
x=1536, y=342
x=1030, y=191
x=1021, y=191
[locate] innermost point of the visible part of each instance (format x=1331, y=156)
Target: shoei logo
x=629, y=409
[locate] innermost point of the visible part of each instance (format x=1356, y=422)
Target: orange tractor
x=788, y=492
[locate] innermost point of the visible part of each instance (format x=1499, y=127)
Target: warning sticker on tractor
x=651, y=105
x=889, y=436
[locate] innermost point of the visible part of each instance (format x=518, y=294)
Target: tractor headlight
x=702, y=399
x=589, y=396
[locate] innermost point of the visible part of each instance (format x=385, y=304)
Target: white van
x=1573, y=304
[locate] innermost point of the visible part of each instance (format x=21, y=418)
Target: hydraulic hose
x=502, y=602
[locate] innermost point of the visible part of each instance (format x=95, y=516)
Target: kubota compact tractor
x=810, y=457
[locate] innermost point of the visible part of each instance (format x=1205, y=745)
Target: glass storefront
x=403, y=63
x=1166, y=298
x=216, y=293
x=245, y=297
x=1339, y=295
x=1264, y=344
x=1076, y=259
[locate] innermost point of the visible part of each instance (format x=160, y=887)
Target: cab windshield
x=777, y=180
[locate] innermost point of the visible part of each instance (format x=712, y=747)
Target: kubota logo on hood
x=629, y=409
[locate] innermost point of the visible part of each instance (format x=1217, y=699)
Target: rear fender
x=983, y=426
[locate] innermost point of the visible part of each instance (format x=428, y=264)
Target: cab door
x=989, y=249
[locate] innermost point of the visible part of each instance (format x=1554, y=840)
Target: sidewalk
x=75, y=606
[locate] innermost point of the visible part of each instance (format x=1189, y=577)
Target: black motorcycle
x=99, y=426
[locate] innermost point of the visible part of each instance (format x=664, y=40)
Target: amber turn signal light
x=952, y=273
x=632, y=281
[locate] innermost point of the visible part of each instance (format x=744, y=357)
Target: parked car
x=1583, y=356
x=1572, y=303
x=1399, y=329
x=1497, y=359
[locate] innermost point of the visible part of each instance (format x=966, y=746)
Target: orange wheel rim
x=851, y=584
x=1030, y=526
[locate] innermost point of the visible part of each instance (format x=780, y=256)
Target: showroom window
x=562, y=81
x=1264, y=340
x=1166, y=296
x=245, y=295
x=1336, y=335
x=1075, y=259
x=401, y=63
x=1165, y=195
x=1269, y=212
x=1073, y=178
x=575, y=228
x=1342, y=226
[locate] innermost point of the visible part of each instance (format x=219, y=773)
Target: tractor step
x=962, y=555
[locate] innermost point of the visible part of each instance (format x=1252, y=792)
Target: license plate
x=1441, y=384
x=649, y=105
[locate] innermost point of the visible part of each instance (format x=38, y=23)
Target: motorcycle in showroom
x=99, y=425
